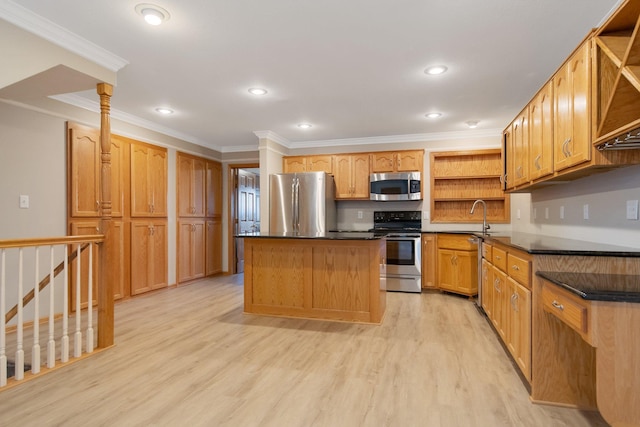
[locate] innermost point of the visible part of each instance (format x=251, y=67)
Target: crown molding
x=267, y=134
x=395, y=139
x=42, y=27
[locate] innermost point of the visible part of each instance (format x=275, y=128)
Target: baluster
x=89, y=344
x=3, y=344
x=77, y=342
x=19, y=370
x=64, y=340
x=51, y=343
x=35, y=352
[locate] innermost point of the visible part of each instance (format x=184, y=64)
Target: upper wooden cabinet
x=540, y=156
x=397, y=161
x=214, y=189
x=519, y=149
x=351, y=173
x=191, y=177
x=321, y=163
x=148, y=180
x=458, y=178
x=572, y=136
x=617, y=58
x=84, y=171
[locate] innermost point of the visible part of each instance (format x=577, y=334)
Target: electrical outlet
x=546, y=213
x=359, y=214
x=561, y=212
x=24, y=201
x=518, y=214
x=535, y=213
x=425, y=214
x=632, y=209
x=585, y=211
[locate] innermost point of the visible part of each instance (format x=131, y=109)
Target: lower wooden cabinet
x=506, y=300
x=191, y=249
x=458, y=264
x=148, y=255
x=429, y=261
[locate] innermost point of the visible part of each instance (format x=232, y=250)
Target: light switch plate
x=561, y=212
x=359, y=214
x=632, y=209
x=585, y=211
x=24, y=201
x=546, y=213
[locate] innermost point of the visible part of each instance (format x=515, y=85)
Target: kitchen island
x=332, y=276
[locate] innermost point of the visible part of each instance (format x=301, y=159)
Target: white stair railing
x=47, y=301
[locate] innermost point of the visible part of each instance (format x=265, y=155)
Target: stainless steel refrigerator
x=302, y=203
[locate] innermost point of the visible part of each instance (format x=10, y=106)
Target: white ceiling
x=352, y=68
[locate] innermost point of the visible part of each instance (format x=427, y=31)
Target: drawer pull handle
x=515, y=267
x=557, y=305
x=498, y=257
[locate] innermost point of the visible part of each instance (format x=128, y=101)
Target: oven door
x=404, y=256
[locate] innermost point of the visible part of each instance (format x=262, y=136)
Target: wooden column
x=105, y=281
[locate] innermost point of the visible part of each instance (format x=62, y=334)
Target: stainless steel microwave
x=395, y=186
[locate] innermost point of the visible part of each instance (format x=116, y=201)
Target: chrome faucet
x=485, y=226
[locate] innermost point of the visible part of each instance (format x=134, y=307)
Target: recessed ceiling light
x=433, y=115
x=163, y=110
x=304, y=125
x=152, y=14
x=472, y=124
x=257, y=91
x=435, y=70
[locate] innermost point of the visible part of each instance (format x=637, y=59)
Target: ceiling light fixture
x=257, y=91
x=152, y=14
x=164, y=110
x=472, y=124
x=304, y=126
x=433, y=115
x=435, y=70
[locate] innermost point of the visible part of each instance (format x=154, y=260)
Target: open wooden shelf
x=458, y=178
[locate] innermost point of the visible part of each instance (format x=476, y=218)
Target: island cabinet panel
x=315, y=278
x=338, y=273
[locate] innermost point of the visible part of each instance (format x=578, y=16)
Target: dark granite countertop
x=597, y=287
x=330, y=235
x=549, y=245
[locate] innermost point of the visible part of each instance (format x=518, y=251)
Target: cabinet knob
x=515, y=267
x=557, y=305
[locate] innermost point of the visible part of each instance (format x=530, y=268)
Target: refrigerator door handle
x=297, y=220
x=294, y=203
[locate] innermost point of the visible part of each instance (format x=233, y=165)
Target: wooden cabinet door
x=429, y=261
x=158, y=180
x=508, y=177
x=184, y=186
x=191, y=244
x=520, y=143
x=214, y=247
x=383, y=162
x=572, y=142
x=294, y=164
x=148, y=181
x=214, y=189
x=487, y=288
x=409, y=161
x=520, y=331
x=119, y=175
x=466, y=264
x=447, y=271
x=343, y=176
x=84, y=158
x=500, y=302
x=198, y=187
x=360, y=176
x=119, y=258
x=541, y=134
x=148, y=256
x=320, y=164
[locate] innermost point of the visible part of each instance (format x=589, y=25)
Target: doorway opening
x=244, y=210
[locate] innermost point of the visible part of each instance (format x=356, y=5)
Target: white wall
x=606, y=194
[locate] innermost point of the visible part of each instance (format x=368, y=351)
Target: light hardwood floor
x=188, y=356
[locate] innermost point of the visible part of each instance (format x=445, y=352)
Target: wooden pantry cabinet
x=458, y=178
x=199, y=212
x=148, y=255
x=507, y=299
x=351, y=173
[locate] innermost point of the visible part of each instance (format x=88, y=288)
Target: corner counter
x=332, y=276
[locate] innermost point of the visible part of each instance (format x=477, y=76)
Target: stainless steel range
x=404, y=259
